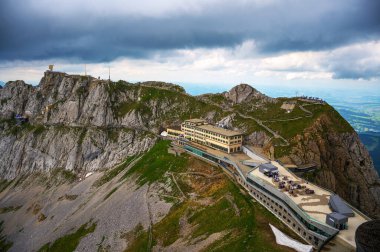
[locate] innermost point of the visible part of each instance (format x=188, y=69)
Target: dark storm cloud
x=87, y=34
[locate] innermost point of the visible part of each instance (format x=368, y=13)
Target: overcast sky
x=215, y=42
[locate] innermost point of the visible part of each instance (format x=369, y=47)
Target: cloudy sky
x=204, y=42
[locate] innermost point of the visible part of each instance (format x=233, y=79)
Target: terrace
x=312, y=199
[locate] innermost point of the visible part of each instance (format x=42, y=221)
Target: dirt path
x=202, y=174
x=150, y=229
x=230, y=198
x=175, y=182
x=275, y=135
x=306, y=111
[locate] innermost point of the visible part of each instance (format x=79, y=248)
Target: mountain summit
x=245, y=93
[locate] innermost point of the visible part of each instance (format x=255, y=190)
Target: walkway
x=275, y=134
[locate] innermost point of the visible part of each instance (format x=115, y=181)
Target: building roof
x=178, y=128
x=218, y=130
x=195, y=120
x=268, y=167
x=338, y=205
x=340, y=218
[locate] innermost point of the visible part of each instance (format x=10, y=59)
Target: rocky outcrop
x=245, y=93
x=257, y=138
x=345, y=165
x=14, y=97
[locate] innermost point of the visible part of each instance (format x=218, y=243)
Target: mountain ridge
x=102, y=122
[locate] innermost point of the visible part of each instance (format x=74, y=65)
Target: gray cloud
x=42, y=29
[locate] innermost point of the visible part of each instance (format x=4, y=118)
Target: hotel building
x=199, y=131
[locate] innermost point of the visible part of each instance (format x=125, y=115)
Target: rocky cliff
x=344, y=164
x=83, y=124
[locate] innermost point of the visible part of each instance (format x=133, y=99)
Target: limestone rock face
x=77, y=149
x=245, y=93
x=13, y=98
x=258, y=138
x=345, y=165
x=82, y=124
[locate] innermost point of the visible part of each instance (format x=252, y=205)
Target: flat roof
x=178, y=128
x=224, y=132
x=337, y=216
x=315, y=205
x=195, y=120
x=268, y=166
x=339, y=206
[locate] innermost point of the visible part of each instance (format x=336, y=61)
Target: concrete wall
x=253, y=155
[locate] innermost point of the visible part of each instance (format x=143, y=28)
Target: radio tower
x=109, y=74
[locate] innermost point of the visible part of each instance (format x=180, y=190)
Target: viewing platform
x=302, y=206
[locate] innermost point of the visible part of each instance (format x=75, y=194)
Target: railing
x=332, y=192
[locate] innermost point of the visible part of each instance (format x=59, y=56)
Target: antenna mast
x=85, y=70
x=109, y=74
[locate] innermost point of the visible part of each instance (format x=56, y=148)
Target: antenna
x=85, y=70
x=109, y=74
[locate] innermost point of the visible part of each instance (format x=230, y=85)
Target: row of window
x=202, y=131
x=300, y=218
x=197, y=135
x=282, y=213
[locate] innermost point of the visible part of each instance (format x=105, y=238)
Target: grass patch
x=5, y=245
x=4, y=184
x=68, y=197
x=82, y=135
x=61, y=175
x=38, y=129
x=281, y=151
x=248, y=125
x=69, y=242
x=270, y=110
x=155, y=163
x=139, y=239
x=41, y=217
x=110, y=193
x=247, y=230
x=333, y=122
x=110, y=174
x=9, y=209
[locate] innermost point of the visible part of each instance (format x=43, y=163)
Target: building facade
x=199, y=131
x=312, y=231
x=174, y=132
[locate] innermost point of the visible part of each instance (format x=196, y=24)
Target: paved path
x=275, y=134
x=175, y=182
x=306, y=111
